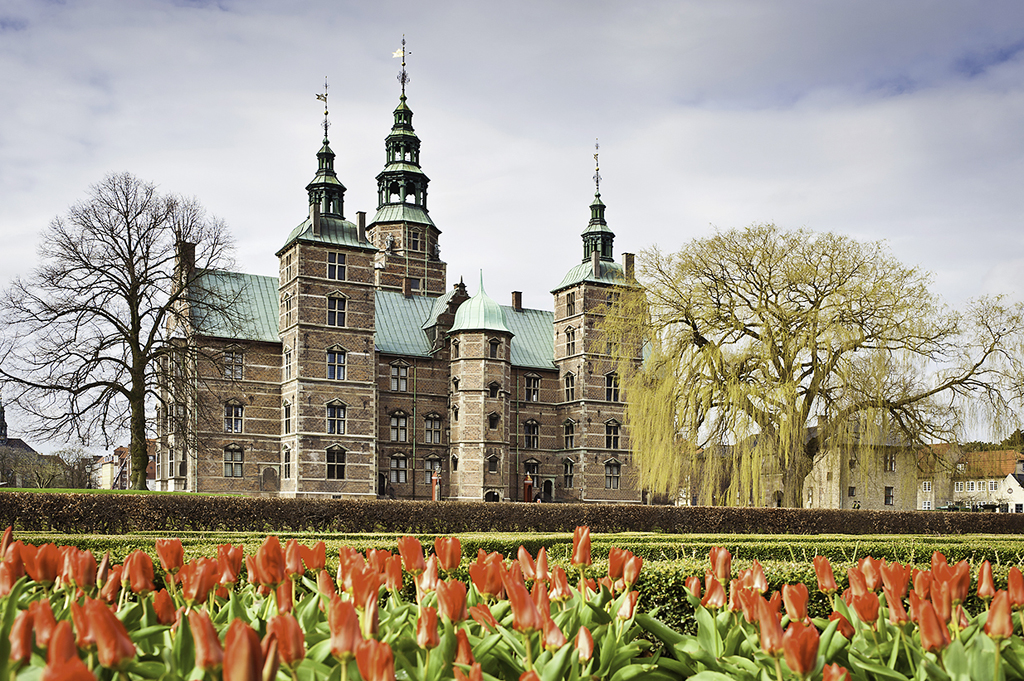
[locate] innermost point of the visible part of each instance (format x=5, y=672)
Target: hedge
x=120, y=514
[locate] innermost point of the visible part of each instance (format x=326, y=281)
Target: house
x=980, y=480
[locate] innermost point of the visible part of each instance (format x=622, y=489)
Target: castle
x=358, y=372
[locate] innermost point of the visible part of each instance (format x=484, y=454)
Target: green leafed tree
x=763, y=345
x=82, y=339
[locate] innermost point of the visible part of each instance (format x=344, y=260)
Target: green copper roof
x=333, y=231
x=399, y=322
x=533, y=344
x=440, y=305
x=241, y=306
x=402, y=212
x=611, y=273
x=479, y=313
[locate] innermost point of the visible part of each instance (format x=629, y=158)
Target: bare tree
x=84, y=336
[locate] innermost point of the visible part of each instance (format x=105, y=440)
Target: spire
x=479, y=313
x=597, y=236
x=3, y=421
x=326, y=192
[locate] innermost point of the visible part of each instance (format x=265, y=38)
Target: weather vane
x=403, y=75
x=597, y=166
x=323, y=98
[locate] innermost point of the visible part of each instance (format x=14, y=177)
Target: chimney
x=627, y=265
x=314, y=217
x=361, y=224
x=517, y=301
x=407, y=287
x=595, y=261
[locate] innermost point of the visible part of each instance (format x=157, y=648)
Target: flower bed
x=278, y=613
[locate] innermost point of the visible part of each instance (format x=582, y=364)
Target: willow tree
x=83, y=338
x=763, y=345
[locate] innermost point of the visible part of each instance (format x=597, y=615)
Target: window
x=399, y=427
x=493, y=389
x=287, y=418
x=414, y=241
x=399, y=378
x=532, y=389
x=398, y=469
x=232, y=418
x=455, y=413
x=492, y=464
x=289, y=267
x=455, y=350
x=233, y=462
x=570, y=304
x=335, y=463
x=335, y=418
x=970, y=485
x=432, y=430
x=958, y=486
x=336, y=364
x=233, y=365
x=336, y=266
x=570, y=341
x=569, y=434
x=287, y=464
x=493, y=420
x=287, y=364
x=611, y=388
x=532, y=469
x=429, y=466
x=335, y=311
x=612, y=471
x=851, y=492
x=890, y=462
x=531, y=434
x=926, y=505
x=182, y=469
x=494, y=348
x=890, y=496
x=568, y=467
x=611, y=435
x=288, y=303
x=570, y=387
x=926, y=486
x=455, y=463
x=993, y=485
x=612, y=298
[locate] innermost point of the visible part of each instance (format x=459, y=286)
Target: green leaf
x=707, y=633
x=147, y=670
x=553, y=670
x=710, y=676
x=658, y=629
x=954, y=659
x=878, y=670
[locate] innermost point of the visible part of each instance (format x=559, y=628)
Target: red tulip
x=79, y=567
x=758, y=582
x=270, y=651
x=866, y=607
x=451, y=599
x=560, y=589
x=525, y=616
x=526, y=563
x=616, y=557
x=481, y=614
x=721, y=563
x=7, y=579
x=113, y=645
x=62, y=661
x=209, y=654
x=999, y=624
x=897, y=613
x=714, y=597
x=581, y=546
x=268, y=562
x=344, y=625
x=584, y=644
x=163, y=606
x=872, y=570
x=631, y=569
x=552, y=637
x=986, y=586
x=692, y=584
x=542, y=573
x=448, y=551
x=171, y=554
x=937, y=560
x=21, y=637
x=487, y=576
x=834, y=672
x=826, y=579
x=942, y=600
x=197, y=578
x=529, y=676
x=83, y=630
x=858, y=583
x=5, y=541
x=915, y=606
x=476, y=673
x=800, y=647
x=795, y=597
x=229, y=562
x=426, y=628
x=463, y=650
x=284, y=594
x=325, y=585
x=375, y=661
x=11, y=556
x=291, y=643
x=41, y=563
x=628, y=607
x=138, y=568
x=243, y=657
x=934, y=634
x=378, y=558
x=112, y=587
x=365, y=586
x=895, y=577
x=292, y=559
x=1015, y=588
x=426, y=581
x=393, y=573
x=43, y=621
x=771, y=629
x=844, y=628
x=923, y=583
x=412, y=554
x=960, y=582
x=314, y=557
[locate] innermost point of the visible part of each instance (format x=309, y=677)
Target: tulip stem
x=778, y=669
x=529, y=652
x=998, y=672
x=910, y=658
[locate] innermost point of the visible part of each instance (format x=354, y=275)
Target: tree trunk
x=793, y=476
x=138, y=450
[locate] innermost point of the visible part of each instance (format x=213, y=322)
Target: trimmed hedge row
x=123, y=513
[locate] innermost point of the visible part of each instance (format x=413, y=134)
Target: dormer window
x=493, y=389
x=493, y=420
x=495, y=345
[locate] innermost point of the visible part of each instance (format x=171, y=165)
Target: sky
x=901, y=121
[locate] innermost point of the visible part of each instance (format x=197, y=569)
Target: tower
x=326, y=323
x=481, y=350
x=408, y=258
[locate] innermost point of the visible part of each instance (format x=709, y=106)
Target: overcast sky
x=882, y=120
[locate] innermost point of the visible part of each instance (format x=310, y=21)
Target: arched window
x=570, y=387
x=492, y=464
x=568, y=469
x=611, y=435
x=570, y=304
x=493, y=389
x=570, y=341
x=335, y=462
x=455, y=349
x=335, y=418
x=233, y=461
x=569, y=434
x=493, y=420
x=287, y=463
x=287, y=409
x=495, y=345
x=336, y=359
x=288, y=303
